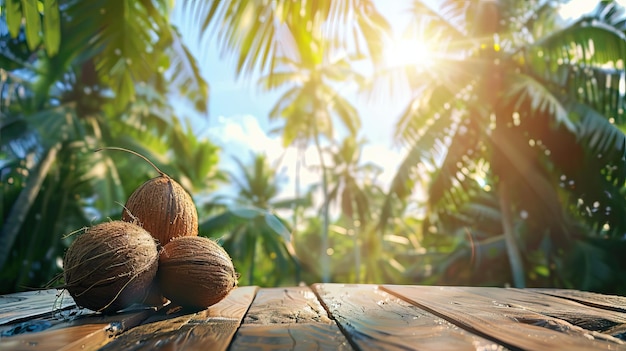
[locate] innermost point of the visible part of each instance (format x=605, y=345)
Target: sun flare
x=409, y=53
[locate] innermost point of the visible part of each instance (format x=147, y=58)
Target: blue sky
x=238, y=114
x=238, y=110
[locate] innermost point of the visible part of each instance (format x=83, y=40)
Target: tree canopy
x=513, y=125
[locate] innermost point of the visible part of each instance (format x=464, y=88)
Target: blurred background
x=476, y=142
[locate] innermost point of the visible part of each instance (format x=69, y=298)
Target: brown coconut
x=110, y=266
x=163, y=208
x=195, y=272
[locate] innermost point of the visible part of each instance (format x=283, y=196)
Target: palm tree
x=516, y=106
x=256, y=33
x=249, y=224
x=351, y=184
x=100, y=86
x=308, y=107
x=266, y=37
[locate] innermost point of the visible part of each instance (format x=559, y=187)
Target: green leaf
x=52, y=26
x=248, y=212
x=186, y=73
x=33, y=23
x=542, y=271
x=278, y=226
x=541, y=99
x=14, y=16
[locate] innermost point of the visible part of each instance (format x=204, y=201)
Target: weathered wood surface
x=50, y=320
x=598, y=301
x=328, y=317
x=32, y=304
x=288, y=319
x=182, y=330
x=607, y=302
x=590, y=318
x=376, y=320
x=502, y=321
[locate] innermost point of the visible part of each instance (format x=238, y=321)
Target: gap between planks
x=373, y=319
x=503, y=320
x=289, y=318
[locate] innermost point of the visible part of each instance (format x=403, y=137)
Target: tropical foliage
x=513, y=129
x=247, y=225
x=98, y=87
x=526, y=122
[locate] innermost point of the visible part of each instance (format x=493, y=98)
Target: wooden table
x=328, y=317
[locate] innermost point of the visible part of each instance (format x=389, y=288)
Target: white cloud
x=240, y=135
x=388, y=159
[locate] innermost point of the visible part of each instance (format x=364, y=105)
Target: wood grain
x=83, y=330
x=607, y=302
x=376, y=320
x=212, y=328
x=288, y=319
x=27, y=305
x=584, y=316
x=503, y=320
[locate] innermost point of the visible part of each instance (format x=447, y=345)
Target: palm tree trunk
x=357, y=254
x=252, y=262
x=297, y=185
x=324, y=258
x=515, y=258
x=23, y=203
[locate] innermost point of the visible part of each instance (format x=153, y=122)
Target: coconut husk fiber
x=195, y=272
x=163, y=208
x=110, y=266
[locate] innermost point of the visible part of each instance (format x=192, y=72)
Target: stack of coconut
x=154, y=253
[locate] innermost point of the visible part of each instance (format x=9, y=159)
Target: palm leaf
x=459, y=164
x=185, y=73
x=52, y=26
x=541, y=99
x=255, y=33
x=23, y=204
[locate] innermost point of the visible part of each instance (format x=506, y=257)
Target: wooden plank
x=584, y=316
x=376, y=320
x=506, y=323
x=88, y=331
x=288, y=319
x=212, y=328
x=31, y=304
x=607, y=302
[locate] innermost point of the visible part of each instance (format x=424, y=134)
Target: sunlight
x=407, y=52
x=575, y=8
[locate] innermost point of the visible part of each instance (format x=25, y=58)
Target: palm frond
x=602, y=139
x=541, y=99
x=220, y=223
x=454, y=177
x=255, y=33
x=185, y=73
x=588, y=41
x=23, y=204
x=449, y=20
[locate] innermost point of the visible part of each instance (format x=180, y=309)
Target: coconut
x=163, y=208
x=110, y=266
x=195, y=272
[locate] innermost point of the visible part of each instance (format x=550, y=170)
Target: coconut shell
x=163, y=208
x=110, y=266
x=195, y=272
